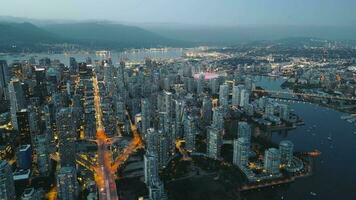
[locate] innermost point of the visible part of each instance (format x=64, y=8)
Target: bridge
x=309, y=95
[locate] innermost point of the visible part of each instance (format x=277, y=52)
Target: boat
x=313, y=193
x=345, y=117
x=330, y=138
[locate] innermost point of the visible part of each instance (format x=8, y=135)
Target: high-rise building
x=244, y=98
x=244, y=130
x=190, y=132
x=241, y=151
x=286, y=150
x=272, y=161
x=145, y=116
x=7, y=186
x=224, y=96
x=24, y=157
x=32, y=194
x=218, y=118
x=150, y=168
x=23, y=125
x=214, y=142
x=236, y=95
x=206, y=110
x=4, y=74
x=17, y=100
x=43, y=155
x=67, y=184
x=67, y=121
x=201, y=83
x=156, y=191
x=269, y=110
x=152, y=140
x=284, y=112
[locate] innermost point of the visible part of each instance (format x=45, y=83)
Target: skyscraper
x=67, y=131
x=241, y=151
x=150, y=167
x=272, y=161
x=286, y=150
x=4, y=74
x=224, y=96
x=206, y=110
x=145, y=116
x=24, y=157
x=67, y=184
x=245, y=97
x=43, y=156
x=214, y=142
x=17, y=100
x=201, y=83
x=190, y=133
x=218, y=118
x=236, y=95
x=7, y=187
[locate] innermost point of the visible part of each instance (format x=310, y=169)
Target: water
x=335, y=170
x=138, y=55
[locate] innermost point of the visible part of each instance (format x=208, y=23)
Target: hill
x=24, y=33
x=108, y=35
x=19, y=37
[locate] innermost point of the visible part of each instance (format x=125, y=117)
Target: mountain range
x=18, y=37
x=22, y=34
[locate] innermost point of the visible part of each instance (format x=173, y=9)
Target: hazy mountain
x=231, y=35
x=24, y=36
x=109, y=35
x=25, y=33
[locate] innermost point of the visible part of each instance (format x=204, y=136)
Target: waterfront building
x=272, y=161
x=286, y=150
x=284, y=112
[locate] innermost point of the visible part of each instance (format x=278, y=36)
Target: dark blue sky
x=207, y=12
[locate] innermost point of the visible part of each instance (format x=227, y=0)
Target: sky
x=202, y=12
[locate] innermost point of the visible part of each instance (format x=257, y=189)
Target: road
x=104, y=176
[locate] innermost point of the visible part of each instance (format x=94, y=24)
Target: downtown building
x=68, y=188
x=241, y=152
x=214, y=143
x=7, y=186
x=272, y=161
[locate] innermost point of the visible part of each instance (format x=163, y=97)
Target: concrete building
x=272, y=161
x=241, y=152
x=7, y=186
x=286, y=150
x=67, y=184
